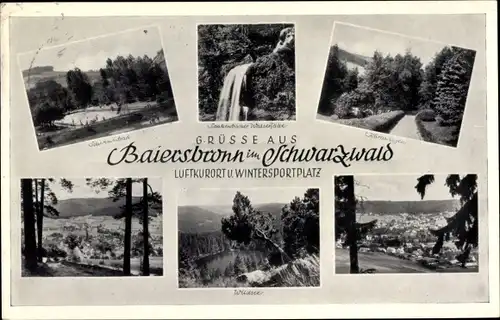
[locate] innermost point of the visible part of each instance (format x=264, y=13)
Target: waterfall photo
x=396, y=84
x=91, y=227
x=266, y=237
x=246, y=72
x=407, y=223
x=97, y=87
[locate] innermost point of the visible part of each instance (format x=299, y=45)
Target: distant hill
x=354, y=58
x=93, y=206
x=203, y=219
x=423, y=206
x=47, y=73
x=42, y=73
x=38, y=70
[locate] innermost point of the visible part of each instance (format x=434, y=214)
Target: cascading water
x=229, y=107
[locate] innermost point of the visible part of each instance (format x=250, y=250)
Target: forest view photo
x=98, y=87
x=391, y=83
x=246, y=72
x=406, y=223
x=248, y=238
x=91, y=227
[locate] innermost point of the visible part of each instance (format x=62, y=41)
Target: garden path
x=407, y=128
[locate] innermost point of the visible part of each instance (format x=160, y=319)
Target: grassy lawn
x=120, y=124
x=431, y=131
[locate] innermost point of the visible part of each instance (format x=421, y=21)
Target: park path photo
x=406, y=223
x=248, y=238
x=91, y=227
x=395, y=84
x=246, y=72
x=98, y=87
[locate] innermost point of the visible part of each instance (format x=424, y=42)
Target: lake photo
x=248, y=238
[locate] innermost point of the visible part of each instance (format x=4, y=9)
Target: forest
x=400, y=84
x=461, y=227
x=39, y=201
x=250, y=240
x=121, y=80
x=271, y=76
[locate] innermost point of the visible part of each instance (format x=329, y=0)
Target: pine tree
x=464, y=224
x=333, y=83
x=300, y=221
x=452, y=86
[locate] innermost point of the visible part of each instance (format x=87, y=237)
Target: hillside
x=393, y=207
x=94, y=206
x=354, y=58
x=31, y=77
x=203, y=219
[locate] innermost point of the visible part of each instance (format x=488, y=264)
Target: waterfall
x=229, y=107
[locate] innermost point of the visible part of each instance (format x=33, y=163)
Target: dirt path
x=382, y=263
x=406, y=127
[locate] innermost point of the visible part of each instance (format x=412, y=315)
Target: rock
x=364, y=249
x=391, y=250
x=381, y=250
x=301, y=271
x=400, y=251
x=257, y=277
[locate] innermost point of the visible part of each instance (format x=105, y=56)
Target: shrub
x=72, y=241
x=381, y=122
x=427, y=115
x=53, y=252
x=342, y=111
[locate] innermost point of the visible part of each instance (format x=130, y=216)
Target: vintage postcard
x=259, y=160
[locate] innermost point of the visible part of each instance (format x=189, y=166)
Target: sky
x=365, y=41
x=399, y=188
x=205, y=197
x=81, y=190
x=91, y=54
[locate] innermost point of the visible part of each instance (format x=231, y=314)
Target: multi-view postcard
x=311, y=159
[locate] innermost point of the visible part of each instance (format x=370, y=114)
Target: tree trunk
x=352, y=234
x=29, y=225
x=35, y=205
x=145, y=231
x=39, y=220
x=262, y=236
x=128, y=227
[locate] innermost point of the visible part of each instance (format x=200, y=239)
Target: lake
x=221, y=260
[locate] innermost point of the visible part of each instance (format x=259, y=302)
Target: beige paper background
x=312, y=44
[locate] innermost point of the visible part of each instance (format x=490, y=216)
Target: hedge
x=383, y=122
